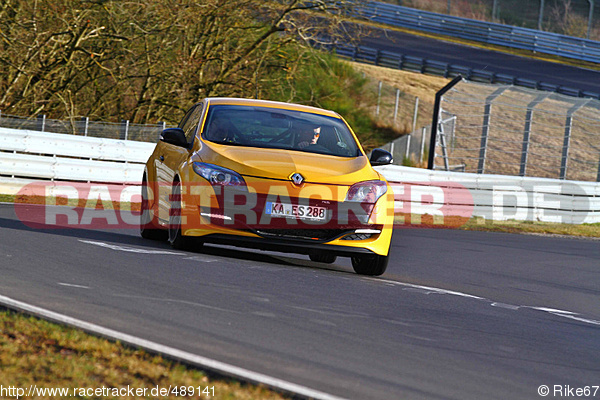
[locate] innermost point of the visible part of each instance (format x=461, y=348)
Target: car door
x=170, y=157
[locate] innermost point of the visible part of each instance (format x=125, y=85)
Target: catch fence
x=510, y=130
x=84, y=127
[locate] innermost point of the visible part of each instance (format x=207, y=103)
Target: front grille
x=358, y=236
x=310, y=234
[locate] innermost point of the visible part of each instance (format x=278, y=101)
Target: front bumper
x=285, y=245
x=240, y=220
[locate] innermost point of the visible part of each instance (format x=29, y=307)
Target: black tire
x=370, y=265
x=176, y=238
x=323, y=258
x=148, y=228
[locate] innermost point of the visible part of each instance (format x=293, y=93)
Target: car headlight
x=366, y=192
x=218, y=175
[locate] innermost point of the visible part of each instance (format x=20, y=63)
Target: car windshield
x=280, y=129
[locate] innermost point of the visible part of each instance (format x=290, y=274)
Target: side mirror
x=174, y=136
x=380, y=157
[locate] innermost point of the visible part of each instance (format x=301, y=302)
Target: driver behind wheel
x=220, y=130
x=309, y=137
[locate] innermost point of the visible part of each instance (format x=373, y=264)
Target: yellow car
x=272, y=176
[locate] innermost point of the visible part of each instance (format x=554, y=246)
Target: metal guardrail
x=28, y=154
x=479, y=31
x=416, y=64
x=454, y=194
x=494, y=197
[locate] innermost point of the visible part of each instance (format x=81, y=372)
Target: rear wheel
x=373, y=265
x=323, y=258
x=148, y=228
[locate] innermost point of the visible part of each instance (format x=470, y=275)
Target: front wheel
x=176, y=238
x=374, y=265
x=148, y=228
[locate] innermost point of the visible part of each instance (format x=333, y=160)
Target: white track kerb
x=169, y=352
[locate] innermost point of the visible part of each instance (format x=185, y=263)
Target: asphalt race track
x=473, y=57
x=458, y=314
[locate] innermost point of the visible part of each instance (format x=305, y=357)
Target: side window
x=186, y=117
x=190, y=122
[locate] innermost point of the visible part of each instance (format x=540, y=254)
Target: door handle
x=161, y=158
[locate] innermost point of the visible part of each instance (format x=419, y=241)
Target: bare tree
x=147, y=60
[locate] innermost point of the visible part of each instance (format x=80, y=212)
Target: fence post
x=566, y=143
x=444, y=147
x=86, y=123
x=41, y=125
x=495, y=11
x=436, y=118
x=527, y=133
x=396, y=105
x=407, y=153
x=541, y=15
x=161, y=127
x=423, y=132
x=567, y=139
x=485, y=131
x=378, y=97
x=415, y=115
x=590, y=18
x=124, y=129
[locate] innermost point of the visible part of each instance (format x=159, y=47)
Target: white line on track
x=430, y=290
x=426, y=289
x=202, y=362
x=129, y=249
x=407, y=286
x=567, y=314
x=74, y=286
x=201, y=259
x=177, y=301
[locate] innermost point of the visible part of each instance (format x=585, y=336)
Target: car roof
x=268, y=103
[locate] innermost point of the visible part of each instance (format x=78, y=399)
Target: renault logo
x=297, y=179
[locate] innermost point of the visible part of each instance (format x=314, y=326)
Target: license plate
x=295, y=211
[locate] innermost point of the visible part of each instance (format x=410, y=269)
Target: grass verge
x=79, y=203
x=7, y=198
x=481, y=224
x=37, y=352
x=542, y=228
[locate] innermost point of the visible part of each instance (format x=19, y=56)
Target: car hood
x=281, y=164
